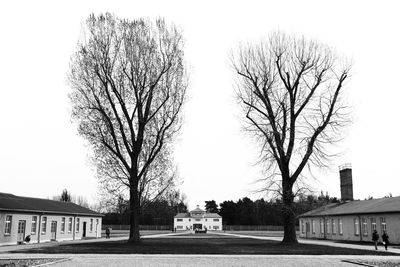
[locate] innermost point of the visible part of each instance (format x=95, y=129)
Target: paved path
x=317, y=242
x=200, y=260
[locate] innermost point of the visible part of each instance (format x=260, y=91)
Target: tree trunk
x=289, y=218
x=134, y=208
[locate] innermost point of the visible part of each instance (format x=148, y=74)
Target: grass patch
x=199, y=245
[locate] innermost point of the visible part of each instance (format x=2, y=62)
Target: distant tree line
x=158, y=212
x=241, y=212
x=261, y=212
x=66, y=196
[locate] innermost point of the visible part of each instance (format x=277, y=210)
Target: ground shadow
x=195, y=245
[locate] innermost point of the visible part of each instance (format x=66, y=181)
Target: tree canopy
x=128, y=81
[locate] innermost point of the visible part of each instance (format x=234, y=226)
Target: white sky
x=41, y=153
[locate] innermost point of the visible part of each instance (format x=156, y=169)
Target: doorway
x=84, y=229
x=307, y=229
x=53, y=230
x=198, y=226
x=21, y=231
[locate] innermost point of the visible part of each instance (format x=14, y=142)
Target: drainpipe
x=40, y=224
x=359, y=226
x=73, y=228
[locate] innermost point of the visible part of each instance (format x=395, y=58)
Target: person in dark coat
x=375, y=238
x=385, y=239
x=108, y=232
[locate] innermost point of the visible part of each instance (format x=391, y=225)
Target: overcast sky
x=41, y=153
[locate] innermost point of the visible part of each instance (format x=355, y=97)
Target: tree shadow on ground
x=223, y=245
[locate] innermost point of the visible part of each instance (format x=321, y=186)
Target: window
x=373, y=224
x=333, y=227
x=313, y=226
x=179, y=227
x=7, y=229
x=34, y=225
x=340, y=227
x=356, y=227
x=216, y=220
x=62, y=224
x=189, y=220
x=77, y=225
x=206, y=219
x=215, y=227
x=364, y=226
x=328, y=228
x=302, y=226
x=179, y=220
x=321, y=226
x=69, y=225
x=44, y=225
x=383, y=224
x=91, y=225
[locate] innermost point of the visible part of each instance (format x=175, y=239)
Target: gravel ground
x=383, y=263
x=25, y=262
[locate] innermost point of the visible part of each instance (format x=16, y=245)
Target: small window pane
x=44, y=225
x=7, y=230
x=34, y=225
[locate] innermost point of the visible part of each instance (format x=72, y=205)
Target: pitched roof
x=197, y=210
x=9, y=202
x=212, y=215
x=380, y=205
x=205, y=215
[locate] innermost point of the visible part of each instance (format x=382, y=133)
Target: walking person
x=375, y=238
x=107, y=232
x=385, y=239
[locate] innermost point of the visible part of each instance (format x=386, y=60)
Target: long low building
x=198, y=219
x=353, y=220
x=45, y=220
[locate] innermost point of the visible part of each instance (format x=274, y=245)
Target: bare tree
x=290, y=91
x=129, y=82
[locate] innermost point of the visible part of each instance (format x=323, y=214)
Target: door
x=84, y=229
x=307, y=229
x=53, y=230
x=197, y=226
x=21, y=231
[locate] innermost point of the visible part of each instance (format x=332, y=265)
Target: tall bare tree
x=290, y=91
x=129, y=81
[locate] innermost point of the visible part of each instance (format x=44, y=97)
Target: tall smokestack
x=346, y=182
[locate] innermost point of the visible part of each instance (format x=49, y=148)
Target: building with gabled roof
x=352, y=220
x=197, y=219
x=45, y=220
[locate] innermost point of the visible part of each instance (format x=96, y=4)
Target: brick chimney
x=346, y=182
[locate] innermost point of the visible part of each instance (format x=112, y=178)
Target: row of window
x=180, y=227
x=332, y=228
x=197, y=220
x=8, y=223
x=364, y=227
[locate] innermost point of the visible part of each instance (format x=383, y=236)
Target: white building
x=45, y=220
x=198, y=219
x=352, y=220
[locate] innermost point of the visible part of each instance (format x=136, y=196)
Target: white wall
x=392, y=227
x=184, y=223
x=38, y=236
